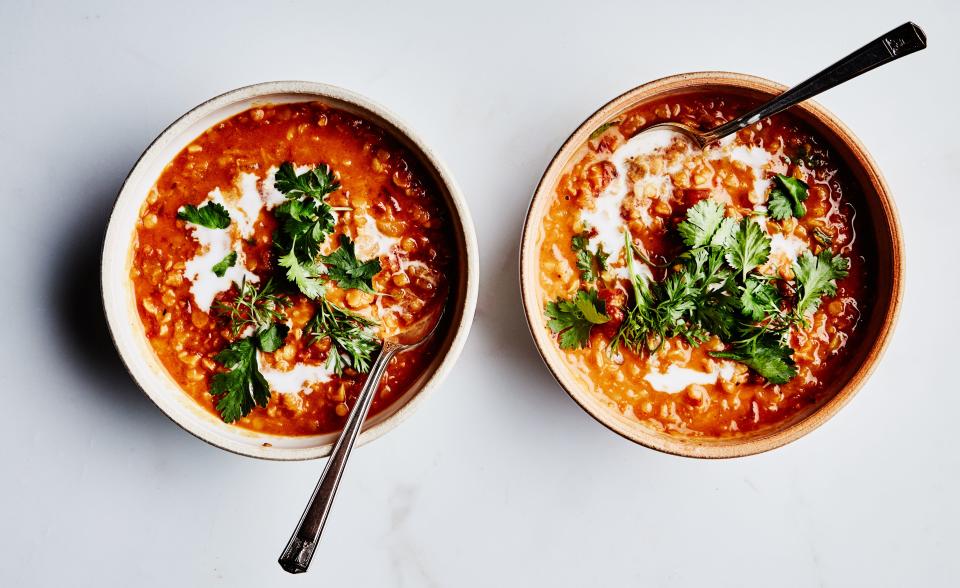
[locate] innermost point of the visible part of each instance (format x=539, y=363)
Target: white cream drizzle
x=244, y=208
x=300, y=378
x=216, y=244
x=272, y=197
x=605, y=216
x=371, y=242
x=786, y=248
x=677, y=379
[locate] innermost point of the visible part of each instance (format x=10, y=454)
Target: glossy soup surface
x=680, y=388
x=386, y=204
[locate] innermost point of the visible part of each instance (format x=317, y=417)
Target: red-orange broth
x=385, y=203
x=659, y=191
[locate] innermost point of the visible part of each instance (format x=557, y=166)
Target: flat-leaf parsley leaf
x=243, y=386
x=765, y=354
x=817, y=276
x=589, y=263
x=749, y=248
x=211, y=215
x=344, y=268
x=315, y=183
x=228, y=261
x=573, y=319
x=706, y=225
x=786, y=198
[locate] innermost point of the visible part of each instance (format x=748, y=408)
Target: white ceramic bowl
x=121, y=306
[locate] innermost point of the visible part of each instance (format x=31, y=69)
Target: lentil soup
x=276, y=251
x=707, y=293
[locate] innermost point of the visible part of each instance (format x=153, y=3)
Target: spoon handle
x=299, y=551
x=903, y=40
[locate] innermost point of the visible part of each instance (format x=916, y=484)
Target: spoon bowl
x=299, y=550
x=906, y=39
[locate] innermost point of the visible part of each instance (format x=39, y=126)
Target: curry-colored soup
x=622, y=185
x=384, y=203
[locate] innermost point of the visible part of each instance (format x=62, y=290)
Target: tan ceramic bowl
x=887, y=283
x=121, y=307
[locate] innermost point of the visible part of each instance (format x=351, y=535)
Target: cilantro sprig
x=817, y=277
x=706, y=225
x=305, y=222
x=315, y=183
x=304, y=273
x=220, y=268
x=212, y=215
x=256, y=308
x=573, y=319
x=344, y=268
x=748, y=248
x=765, y=352
x=242, y=386
x=787, y=198
x=714, y=287
x=590, y=263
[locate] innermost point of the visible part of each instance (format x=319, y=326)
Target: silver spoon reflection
x=299, y=550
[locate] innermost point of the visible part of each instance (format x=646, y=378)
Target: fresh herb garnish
x=817, y=276
x=228, y=261
x=748, y=249
x=352, y=338
x=590, y=263
x=347, y=271
x=765, y=353
x=603, y=129
x=305, y=274
x=714, y=288
x=786, y=198
x=305, y=221
x=572, y=319
x=759, y=298
x=315, y=183
x=254, y=307
x=243, y=386
x=822, y=237
x=211, y=215
x=695, y=299
x=272, y=338
x=706, y=225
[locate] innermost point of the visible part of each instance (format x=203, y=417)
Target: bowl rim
x=635, y=431
x=311, y=91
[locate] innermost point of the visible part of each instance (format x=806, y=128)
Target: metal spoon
x=299, y=551
x=903, y=40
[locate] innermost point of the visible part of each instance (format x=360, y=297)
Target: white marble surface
x=500, y=479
